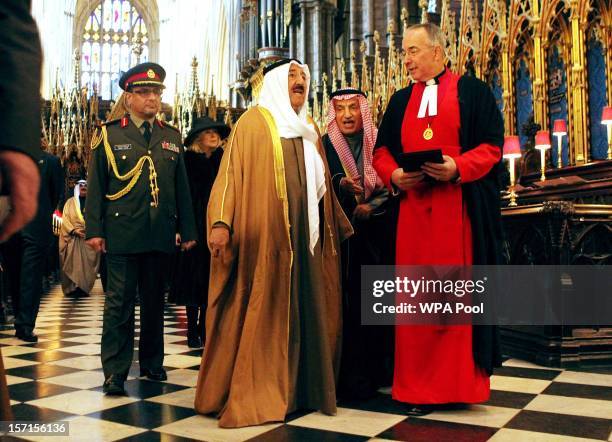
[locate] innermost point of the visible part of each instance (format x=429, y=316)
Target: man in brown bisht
x=273, y=325
x=79, y=262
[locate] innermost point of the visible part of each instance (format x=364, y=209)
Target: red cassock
x=434, y=364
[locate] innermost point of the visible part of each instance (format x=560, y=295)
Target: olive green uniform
x=138, y=210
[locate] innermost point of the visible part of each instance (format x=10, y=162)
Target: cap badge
x=150, y=73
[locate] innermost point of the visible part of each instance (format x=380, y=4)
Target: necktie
x=147, y=131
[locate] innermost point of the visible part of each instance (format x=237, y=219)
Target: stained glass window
x=431, y=6
x=113, y=36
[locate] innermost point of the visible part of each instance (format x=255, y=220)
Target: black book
x=412, y=161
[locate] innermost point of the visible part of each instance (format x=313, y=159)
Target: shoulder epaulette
x=164, y=124
x=109, y=122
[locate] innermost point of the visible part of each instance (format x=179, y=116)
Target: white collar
x=429, y=101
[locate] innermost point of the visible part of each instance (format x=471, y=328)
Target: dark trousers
x=367, y=351
x=102, y=271
x=32, y=268
x=10, y=252
x=127, y=274
x=196, y=321
x=52, y=266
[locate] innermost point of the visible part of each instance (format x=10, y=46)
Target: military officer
x=138, y=200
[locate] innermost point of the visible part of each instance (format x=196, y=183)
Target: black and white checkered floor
x=60, y=377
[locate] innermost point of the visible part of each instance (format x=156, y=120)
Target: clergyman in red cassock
x=453, y=219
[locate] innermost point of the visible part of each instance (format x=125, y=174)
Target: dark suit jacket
x=131, y=224
x=50, y=194
x=20, y=66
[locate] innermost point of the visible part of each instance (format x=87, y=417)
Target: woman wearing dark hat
x=190, y=280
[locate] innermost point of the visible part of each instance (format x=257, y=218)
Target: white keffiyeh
x=77, y=193
x=274, y=97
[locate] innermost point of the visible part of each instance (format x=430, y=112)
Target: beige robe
x=264, y=356
x=78, y=261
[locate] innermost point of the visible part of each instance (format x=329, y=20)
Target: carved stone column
x=293, y=42
x=303, y=36
x=316, y=42
x=329, y=42
x=392, y=14
x=355, y=25
x=315, y=35
x=369, y=25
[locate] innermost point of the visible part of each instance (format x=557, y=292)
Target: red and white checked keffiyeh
x=370, y=180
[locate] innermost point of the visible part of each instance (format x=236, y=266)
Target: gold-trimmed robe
x=78, y=262
x=254, y=368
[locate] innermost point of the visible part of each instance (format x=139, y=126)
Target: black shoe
x=154, y=375
x=418, y=410
x=27, y=336
x=113, y=386
x=194, y=342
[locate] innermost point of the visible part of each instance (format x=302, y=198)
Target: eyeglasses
x=144, y=92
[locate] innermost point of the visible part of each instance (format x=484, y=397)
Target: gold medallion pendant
x=428, y=133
